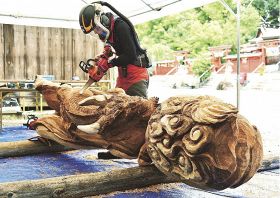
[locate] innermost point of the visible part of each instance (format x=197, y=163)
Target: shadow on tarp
x=85, y=161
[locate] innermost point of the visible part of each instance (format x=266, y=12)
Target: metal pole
x=237, y=16
x=238, y=54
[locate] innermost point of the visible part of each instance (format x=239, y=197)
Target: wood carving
x=197, y=140
x=110, y=120
x=202, y=142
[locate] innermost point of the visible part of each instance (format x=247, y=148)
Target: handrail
x=171, y=70
x=205, y=72
x=262, y=64
x=221, y=68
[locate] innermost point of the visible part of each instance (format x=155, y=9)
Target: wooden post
x=36, y=101
x=85, y=184
x=1, y=105
x=41, y=102
x=27, y=147
x=93, y=183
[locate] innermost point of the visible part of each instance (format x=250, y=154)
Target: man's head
x=93, y=20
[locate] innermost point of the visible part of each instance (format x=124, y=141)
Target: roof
x=244, y=55
x=268, y=33
x=250, y=48
x=65, y=13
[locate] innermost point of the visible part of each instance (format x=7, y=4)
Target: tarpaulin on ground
x=85, y=161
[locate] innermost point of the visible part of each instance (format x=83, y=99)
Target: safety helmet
x=93, y=20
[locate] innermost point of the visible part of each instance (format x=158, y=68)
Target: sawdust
x=90, y=157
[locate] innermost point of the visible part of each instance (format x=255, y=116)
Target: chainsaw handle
x=91, y=62
x=85, y=66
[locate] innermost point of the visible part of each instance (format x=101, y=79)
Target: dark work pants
x=139, y=89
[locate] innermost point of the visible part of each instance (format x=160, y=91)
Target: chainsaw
x=86, y=67
x=91, y=68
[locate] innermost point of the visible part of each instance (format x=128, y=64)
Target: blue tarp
x=52, y=164
x=10, y=134
x=85, y=161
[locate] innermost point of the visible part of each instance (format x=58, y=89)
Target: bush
x=200, y=66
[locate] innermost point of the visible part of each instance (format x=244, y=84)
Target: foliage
x=196, y=30
x=268, y=9
x=202, y=67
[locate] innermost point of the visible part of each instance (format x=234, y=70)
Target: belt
x=141, y=61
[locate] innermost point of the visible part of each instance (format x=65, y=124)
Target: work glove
x=107, y=53
x=102, y=65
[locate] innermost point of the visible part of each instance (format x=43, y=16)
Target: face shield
x=98, y=29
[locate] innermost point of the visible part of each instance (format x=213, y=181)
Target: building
x=170, y=67
x=217, y=54
x=260, y=51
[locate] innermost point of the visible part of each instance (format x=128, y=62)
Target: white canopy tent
x=65, y=13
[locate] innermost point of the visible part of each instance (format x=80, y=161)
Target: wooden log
x=90, y=184
x=27, y=147
x=270, y=163
x=86, y=184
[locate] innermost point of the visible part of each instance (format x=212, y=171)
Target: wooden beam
x=86, y=184
x=27, y=147
x=92, y=183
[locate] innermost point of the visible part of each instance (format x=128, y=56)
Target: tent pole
x=237, y=17
x=238, y=54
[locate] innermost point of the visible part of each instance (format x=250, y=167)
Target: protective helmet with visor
x=93, y=20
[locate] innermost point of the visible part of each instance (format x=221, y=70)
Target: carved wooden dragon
x=201, y=141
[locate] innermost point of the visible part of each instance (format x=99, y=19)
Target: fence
x=26, y=51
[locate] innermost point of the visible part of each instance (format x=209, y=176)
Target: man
x=131, y=60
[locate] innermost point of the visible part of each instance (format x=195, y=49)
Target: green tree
x=196, y=30
x=201, y=68
x=268, y=9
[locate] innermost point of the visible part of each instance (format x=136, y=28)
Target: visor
x=100, y=30
x=103, y=34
